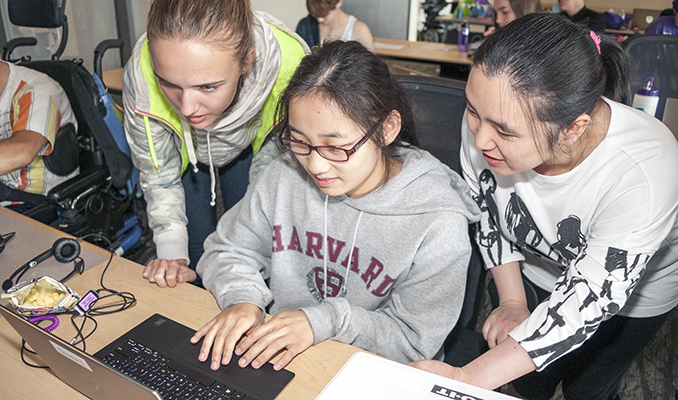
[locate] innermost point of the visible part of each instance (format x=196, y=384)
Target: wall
x=386, y=18
x=288, y=11
x=89, y=22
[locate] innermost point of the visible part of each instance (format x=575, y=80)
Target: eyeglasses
x=331, y=153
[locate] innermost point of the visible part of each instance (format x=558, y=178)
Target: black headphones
x=64, y=250
x=4, y=239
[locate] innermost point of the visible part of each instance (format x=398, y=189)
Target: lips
x=324, y=182
x=491, y=160
x=196, y=119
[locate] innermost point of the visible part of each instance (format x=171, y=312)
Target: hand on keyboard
x=223, y=332
x=287, y=330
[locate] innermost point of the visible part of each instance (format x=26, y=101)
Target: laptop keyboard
x=154, y=371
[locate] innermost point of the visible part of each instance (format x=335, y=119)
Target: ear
x=249, y=61
x=339, y=4
x=391, y=127
x=576, y=129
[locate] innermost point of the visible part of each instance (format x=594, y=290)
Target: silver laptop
x=643, y=17
x=156, y=353
x=368, y=377
x=78, y=369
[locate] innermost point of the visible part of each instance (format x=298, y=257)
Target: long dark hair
x=358, y=82
x=554, y=68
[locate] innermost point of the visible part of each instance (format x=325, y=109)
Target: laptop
x=367, y=377
x=111, y=372
x=643, y=17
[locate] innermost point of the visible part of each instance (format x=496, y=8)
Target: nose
x=500, y=20
x=317, y=165
x=187, y=103
x=484, y=140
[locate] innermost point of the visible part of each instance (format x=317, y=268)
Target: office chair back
x=657, y=56
x=36, y=14
x=439, y=105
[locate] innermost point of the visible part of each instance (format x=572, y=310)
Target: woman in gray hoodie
x=352, y=235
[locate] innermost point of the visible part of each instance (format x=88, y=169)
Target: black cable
x=24, y=348
x=127, y=299
x=80, y=329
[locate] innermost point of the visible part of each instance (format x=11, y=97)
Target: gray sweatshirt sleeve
x=421, y=309
x=233, y=272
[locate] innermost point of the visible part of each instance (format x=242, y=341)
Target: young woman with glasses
x=351, y=235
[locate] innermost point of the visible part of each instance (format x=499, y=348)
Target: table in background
x=449, y=19
x=186, y=304
x=113, y=78
x=453, y=63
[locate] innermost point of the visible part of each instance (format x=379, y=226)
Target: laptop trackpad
x=188, y=353
x=264, y=382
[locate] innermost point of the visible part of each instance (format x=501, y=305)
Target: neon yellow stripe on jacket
x=291, y=53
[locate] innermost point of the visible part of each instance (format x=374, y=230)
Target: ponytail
x=617, y=70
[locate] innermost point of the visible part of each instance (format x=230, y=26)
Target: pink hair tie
x=596, y=40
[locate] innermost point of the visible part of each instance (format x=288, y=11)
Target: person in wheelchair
x=33, y=108
x=199, y=95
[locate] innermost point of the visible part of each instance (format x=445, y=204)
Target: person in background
x=506, y=11
x=199, y=94
x=352, y=234
x=578, y=13
x=326, y=21
x=33, y=108
x=579, y=201
x=666, y=25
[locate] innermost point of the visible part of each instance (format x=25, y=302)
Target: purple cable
x=53, y=318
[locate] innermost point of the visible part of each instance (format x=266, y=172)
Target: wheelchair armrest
x=14, y=43
x=78, y=184
x=101, y=49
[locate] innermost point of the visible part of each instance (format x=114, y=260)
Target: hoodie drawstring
x=325, y=249
x=344, y=285
x=213, y=177
x=188, y=139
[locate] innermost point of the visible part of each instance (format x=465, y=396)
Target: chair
x=36, y=14
x=99, y=199
x=654, y=55
x=439, y=105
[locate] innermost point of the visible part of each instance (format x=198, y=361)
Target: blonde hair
x=227, y=23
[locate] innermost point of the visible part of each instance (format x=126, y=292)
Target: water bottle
x=463, y=37
x=647, y=98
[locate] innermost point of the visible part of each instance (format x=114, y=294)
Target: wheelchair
x=103, y=203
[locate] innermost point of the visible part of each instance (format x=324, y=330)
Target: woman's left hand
x=288, y=330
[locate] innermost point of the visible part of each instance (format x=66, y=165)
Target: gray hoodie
x=407, y=241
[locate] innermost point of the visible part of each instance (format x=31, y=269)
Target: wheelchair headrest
x=37, y=13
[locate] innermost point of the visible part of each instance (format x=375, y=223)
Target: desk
x=448, y=19
x=421, y=51
x=453, y=63
x=186, y=304
x=113, y=78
